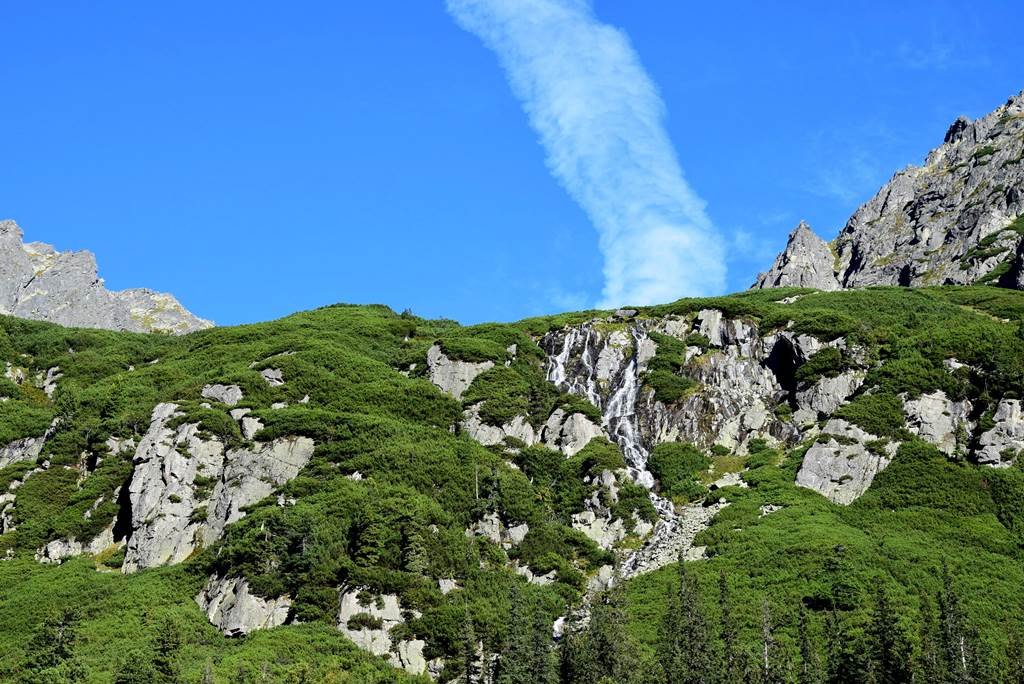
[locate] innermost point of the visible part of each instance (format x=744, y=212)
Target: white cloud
x=599, y=118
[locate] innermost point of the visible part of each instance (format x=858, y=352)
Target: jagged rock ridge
x=955, y=220
x=38, y=282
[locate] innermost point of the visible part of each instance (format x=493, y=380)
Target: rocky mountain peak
x=807, y=261
x=38, y=282
x=957, y=219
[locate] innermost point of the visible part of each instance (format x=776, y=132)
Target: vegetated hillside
x=319, y=488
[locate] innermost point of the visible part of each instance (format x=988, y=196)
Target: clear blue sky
x=259, y=158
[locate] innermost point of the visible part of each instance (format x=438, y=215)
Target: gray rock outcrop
x=807, y=261
x=368, y=620
x=826, y=395
x=231, y=608
x=451, y=375
x=842, y=464
x=225, y=394
x=40, y=283
x=1002, y=444
x=517, y=428
x=569, y=433
x=936, y=419
x=186, y=487
x=954, y=220
x=26, y=449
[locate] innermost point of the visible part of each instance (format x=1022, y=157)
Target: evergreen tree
x=469, y=648
x=956, y=647
x=885, y=643
x=608, y=652
x=810, y=665
x=731, y=670
x=165, y=650
x=51, y=652
x=771, y=671
x=417, y=559
x=843, y=664
x=136, y=668
x=516, y=658
x=543, y=665
x=685, y=651
x=931, y=662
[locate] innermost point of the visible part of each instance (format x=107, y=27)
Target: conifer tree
x=515, y=660
x=956, y=646
x=931, y=662
x=685, y=651
x=885, y=643
x=810, y=665
x=608, y=652
x=542, y=666
x=168, y=641
x=731, y=671
x=51, y=652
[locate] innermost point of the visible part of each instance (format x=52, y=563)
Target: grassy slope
x=368, y=417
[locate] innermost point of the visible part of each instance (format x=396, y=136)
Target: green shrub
x=880, y=414
x=825, y=363
x=677, y=466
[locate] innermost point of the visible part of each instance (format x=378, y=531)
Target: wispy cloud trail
x=599, y=118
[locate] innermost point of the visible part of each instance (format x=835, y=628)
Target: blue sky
x=257, y=159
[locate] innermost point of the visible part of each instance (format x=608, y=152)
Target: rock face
x=567, y=433
x=235, y=612
x=368, y=620
x=1002, y=444
x=186, y=486
x=225, y=394
x=841, y=464
x=517, y=428
x=936, y=419
x=807, y=261
x=826, y=395
x=26, y=449
x=451, y=375
x=954, y=220
x=739, y=382
x=40, y=283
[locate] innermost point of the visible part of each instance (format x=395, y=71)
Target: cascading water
x=618, y=415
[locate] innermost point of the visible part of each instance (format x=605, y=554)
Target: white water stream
x=619, y=422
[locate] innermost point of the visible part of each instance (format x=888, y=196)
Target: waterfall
x=574, y=369
x=618, y=412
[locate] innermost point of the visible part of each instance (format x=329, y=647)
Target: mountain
x=352, y=490
x=958, y=219
x=40, y=283
x=811, y=481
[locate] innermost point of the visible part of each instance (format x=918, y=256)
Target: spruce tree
x=51, y=652
x=731, y=671
x=956, y=646
x=810, y=665
x=515, y=659
x=885, y=643
x=931, y=661
x=771, y=671
x=542, y=664
x=607, y=651
x=165, y=650
x=685, y=651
